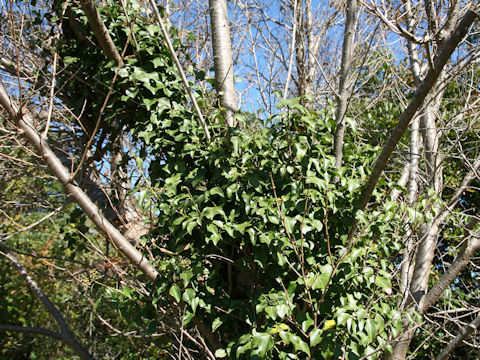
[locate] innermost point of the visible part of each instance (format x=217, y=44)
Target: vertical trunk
x=300, y=49
x=222, y=57
x=343, y=91
x=313, y=43
x=306, y=48
x=428, y=233
x=431, y=136
x=407, y=269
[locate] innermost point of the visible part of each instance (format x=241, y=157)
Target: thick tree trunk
x=300, y=49
x=222, y=58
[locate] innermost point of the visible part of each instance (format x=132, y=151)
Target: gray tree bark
x=418, y=99
x=343, y=88
x=222, y=58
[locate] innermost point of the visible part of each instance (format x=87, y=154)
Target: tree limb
x=23, y=121
x=343, y=93
x=470, y=246
x=34, y=330
x=101, y=31
x=419, y=96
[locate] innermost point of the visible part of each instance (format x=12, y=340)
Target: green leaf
x=220, y=353
x=383, y=282
x=147, y=135
x=261, y=344
x=342, y=318
x=216, y=323
x=235, y=142
x=315, y=337
x=175, y=293
x=329, y=324
x=370, y=329
x=158, y=61
x=241, y=227
x=299, y=344
x=149, y=103
x=188, y=317
x=231, y=190
x=217, y=191
x=321, y=281
x=191, y=225
x=288, y=102
x=67, y=60
x=271, y=311
x=211, y=212
x=301, y=150
x=172, y=182
x=188, y=295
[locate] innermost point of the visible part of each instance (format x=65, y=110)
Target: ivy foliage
x=250, y=230
x=258, y=231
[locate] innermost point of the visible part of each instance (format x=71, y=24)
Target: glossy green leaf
x=175, y=293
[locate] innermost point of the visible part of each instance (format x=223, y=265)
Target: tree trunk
x=343, y=87
x=222, y=58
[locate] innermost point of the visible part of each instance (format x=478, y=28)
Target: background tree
x=194, y=239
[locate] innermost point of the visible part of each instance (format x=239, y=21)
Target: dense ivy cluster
x=263, y=229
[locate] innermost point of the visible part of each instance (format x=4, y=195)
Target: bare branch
x=23, y=121
x=418, y=98
x=470, y=246
x=180, y=69
x=34, y=330
x=66, y=336
x=464, y=332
